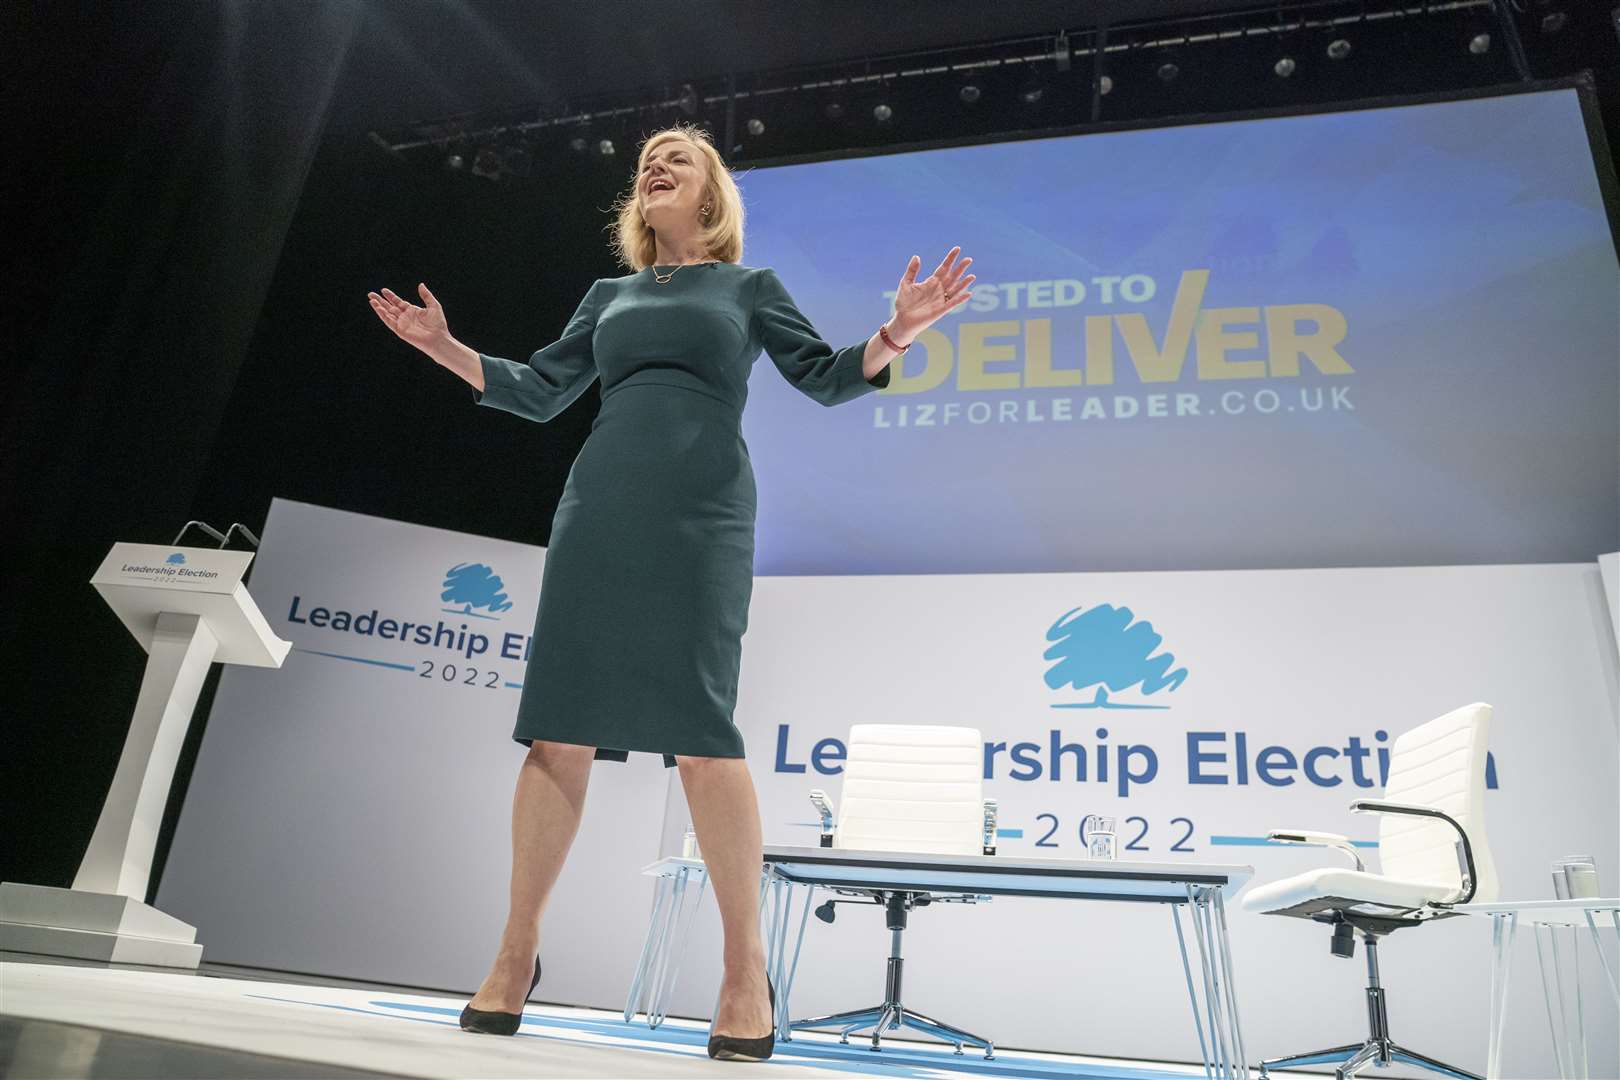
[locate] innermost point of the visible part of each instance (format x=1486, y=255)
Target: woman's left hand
x=918, y=303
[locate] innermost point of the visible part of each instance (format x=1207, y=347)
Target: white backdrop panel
x=1296, y=659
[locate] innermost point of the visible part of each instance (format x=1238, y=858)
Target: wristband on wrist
x=889, y=341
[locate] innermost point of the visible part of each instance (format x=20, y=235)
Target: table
x=1548, y=916
x=1198, y=889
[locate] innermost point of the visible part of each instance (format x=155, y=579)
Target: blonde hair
x=634, y=241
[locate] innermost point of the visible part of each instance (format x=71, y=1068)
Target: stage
x=68, y=1020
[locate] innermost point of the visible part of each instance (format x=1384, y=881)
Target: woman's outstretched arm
x=425, y=328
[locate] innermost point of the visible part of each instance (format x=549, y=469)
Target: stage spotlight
x=1284, y=67
x=1479, y=44
x=519, y=160
x=1338, y=49
x=1032, y=90
x=881, y=113
x=826, y=912
x=605, y=147
x=487, y=163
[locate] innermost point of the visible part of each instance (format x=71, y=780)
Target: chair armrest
x=990, y=826
x=1465, y=851
x=823, y=805
x=1326, y=839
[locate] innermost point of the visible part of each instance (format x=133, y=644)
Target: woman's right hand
x=423, y=327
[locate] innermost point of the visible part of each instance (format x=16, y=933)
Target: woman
x=644, y=596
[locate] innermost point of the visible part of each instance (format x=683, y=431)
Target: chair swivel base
x=891, y=1016
x=1351, y=1059
x=1379, y=1049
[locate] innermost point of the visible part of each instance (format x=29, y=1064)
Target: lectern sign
x=142, y=581
x=201, y=569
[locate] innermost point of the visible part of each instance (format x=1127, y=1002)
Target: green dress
x=644, y=596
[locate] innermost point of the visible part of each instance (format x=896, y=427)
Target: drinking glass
x=1577, y=876
x=1099, y=834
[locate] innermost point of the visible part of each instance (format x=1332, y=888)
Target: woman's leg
x=725, y=812
x=545, y=816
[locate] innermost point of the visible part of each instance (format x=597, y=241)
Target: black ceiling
x=413, y=60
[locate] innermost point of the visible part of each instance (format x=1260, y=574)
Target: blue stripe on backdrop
x=1261, y=841
x=357, y=659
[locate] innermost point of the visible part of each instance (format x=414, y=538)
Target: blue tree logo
x=1103, y=648
x=474, y=585
x=177, y=558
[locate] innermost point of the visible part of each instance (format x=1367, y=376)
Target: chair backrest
x=913, y=788
x=1439, y=764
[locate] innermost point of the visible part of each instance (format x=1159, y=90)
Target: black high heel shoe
x=727, y=1048
x=493, y=1021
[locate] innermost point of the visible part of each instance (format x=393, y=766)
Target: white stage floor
x=416, y=1034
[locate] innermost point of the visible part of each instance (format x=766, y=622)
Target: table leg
x=1220, y=1059
x=1559, y=1027
x=1231, y=982
x=1192, y=994
x=1580, y=1001
x=1218, y=1003
x=665, y=946
x=776, y=944
x=1571, y=1042
x=632, y=1004
x=1597, y=943
x=1504, y=928
x=785, y=991
x=681, y=930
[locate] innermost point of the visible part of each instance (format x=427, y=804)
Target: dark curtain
x=156, y=155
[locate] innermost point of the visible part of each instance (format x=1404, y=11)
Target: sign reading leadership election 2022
x=1382, y=337
x=1203, y=709
x=471, y=591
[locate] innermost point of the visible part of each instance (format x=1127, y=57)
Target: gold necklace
x=666, y=277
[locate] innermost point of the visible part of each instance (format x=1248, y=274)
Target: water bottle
x=689, y=844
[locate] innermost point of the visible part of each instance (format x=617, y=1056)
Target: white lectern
x=187, y=607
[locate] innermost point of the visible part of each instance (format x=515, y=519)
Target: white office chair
x=907, y=788
x=1432, y=855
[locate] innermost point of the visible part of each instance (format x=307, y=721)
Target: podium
x=187, y=607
